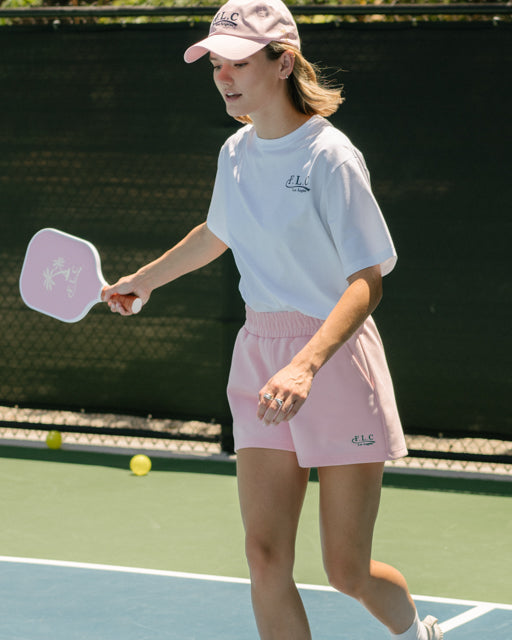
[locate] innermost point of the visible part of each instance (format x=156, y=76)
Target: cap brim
x=229, y=47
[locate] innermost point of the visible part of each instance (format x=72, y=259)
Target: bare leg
x=349, y=502
x=272, y=488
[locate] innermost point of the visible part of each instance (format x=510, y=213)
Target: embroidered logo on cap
x=225, y=19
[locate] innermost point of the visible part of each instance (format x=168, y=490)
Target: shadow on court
x=395, y=480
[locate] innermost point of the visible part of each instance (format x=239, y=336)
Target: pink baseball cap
x=242, y=27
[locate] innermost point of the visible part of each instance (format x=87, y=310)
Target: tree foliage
x=321, y=16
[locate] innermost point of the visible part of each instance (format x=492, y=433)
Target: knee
x=347, y=577
x=266, y=559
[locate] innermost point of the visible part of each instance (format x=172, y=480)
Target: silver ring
x=279, y=402
x=267, y=396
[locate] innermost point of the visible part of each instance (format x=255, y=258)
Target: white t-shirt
x=299, y=215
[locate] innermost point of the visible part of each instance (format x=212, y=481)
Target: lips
x=230, y=96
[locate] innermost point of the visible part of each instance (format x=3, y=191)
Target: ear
x=286, y=61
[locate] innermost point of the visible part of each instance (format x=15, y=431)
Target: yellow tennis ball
x=54, y=440
x=140, y=464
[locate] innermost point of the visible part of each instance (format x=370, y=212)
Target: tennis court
x=88, y=550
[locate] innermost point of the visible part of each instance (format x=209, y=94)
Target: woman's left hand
x=284, y=394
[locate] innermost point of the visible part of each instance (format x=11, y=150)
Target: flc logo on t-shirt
x=298, y=183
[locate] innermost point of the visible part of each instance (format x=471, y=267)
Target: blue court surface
x=51, y=600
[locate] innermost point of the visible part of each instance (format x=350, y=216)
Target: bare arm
x=196, y=250
x=293, y=383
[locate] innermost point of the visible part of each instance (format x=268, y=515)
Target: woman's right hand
x=130, y=286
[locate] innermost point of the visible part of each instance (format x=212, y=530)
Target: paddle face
x=61, y=275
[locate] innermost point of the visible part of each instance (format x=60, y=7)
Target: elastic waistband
x=280, y=324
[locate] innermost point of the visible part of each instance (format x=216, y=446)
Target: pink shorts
x=350, y=415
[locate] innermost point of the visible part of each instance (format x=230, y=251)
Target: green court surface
x=449, y=536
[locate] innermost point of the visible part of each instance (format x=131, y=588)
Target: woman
x=309, y=384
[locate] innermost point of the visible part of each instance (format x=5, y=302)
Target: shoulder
x=330, y=144
x=335, y=154
x=237, y=139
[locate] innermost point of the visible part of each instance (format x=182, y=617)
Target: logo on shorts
x=363, y=441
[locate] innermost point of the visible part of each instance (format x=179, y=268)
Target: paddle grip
x=133, y=304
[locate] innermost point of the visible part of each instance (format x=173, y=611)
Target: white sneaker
x=434, y=631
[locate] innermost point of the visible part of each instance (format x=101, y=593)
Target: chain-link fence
x=108, y=135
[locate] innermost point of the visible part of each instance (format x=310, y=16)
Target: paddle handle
x=131, y=303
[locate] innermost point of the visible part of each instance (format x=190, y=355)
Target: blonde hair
x=309, y=92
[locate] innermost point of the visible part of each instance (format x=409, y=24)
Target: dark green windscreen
x=109, y=135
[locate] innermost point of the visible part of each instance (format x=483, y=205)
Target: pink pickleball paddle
x=61, y=276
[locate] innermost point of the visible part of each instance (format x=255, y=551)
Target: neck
x=278, y=123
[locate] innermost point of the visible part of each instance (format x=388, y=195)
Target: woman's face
x=250, y=86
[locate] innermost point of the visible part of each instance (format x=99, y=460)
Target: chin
x=232, y=111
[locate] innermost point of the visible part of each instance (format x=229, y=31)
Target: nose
x=224, y=74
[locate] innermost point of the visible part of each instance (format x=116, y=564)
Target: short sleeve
x=355, y=220
x=216, y=220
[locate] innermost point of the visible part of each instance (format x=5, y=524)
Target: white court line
x=469, y=603
x=114, y=568
x=466, y=617
x=478, y=608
